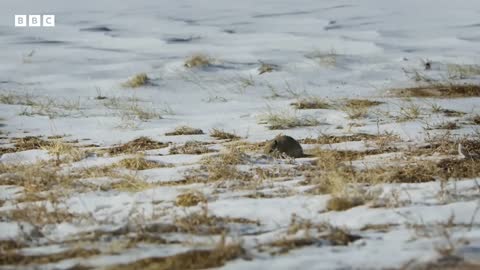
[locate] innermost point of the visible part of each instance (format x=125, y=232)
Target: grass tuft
x=190, y=260
x=311, y=103
x=440, y=90
x=138, y=80
x=136, y=145
x=198, y=61
x=191, y=148
x=140, y=163
x=286, y=120
x=185, y=130
x=190, y=199
x=358, y=108
x=223, y=135
x=343, y=203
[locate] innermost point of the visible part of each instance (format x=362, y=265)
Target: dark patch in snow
x=96, y=29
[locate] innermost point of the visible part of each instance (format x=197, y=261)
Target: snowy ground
x=66, y=85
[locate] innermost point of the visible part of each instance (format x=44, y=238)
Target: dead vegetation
x=461, y=72
x=475, y=119
x=358, y=108
x=15, y=258
x=223, y=135
x=34, y=178
x=191, y=148
x=190, y=260
x=440, y=90
x=332, y=139
x=184, y=130
x=218, y=167
x=136, y=145
x=286, y=120
x=198, y=61
x=314, y=234
x=204, y=224
x=140, y=163
x=138, y=80
x=343, y=203
x=190, y=199
x=40, y=215
x=311, y=103
x=266, y=68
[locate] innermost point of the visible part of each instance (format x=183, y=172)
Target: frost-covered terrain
x=132, y=135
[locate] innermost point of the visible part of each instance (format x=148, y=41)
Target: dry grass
x=34, y=178
x=333, y=235
x=14, y=258
x=138, y=80
x=409, y=111
x=447, y=126
x=198, y=61
x=223, y=135
x=185, y=130
x=311, y=103
x=136, y=145
x=64, y=152
x=30, y=143
x=332, y=139
x=43, y=105
x=358, y=108
x=219, y=167
x=440, y=90
x=190, y=260
x=131, y=183
x=286, y=120
x=191, y=148
x=335, y=174
x=451, y=113
x=475, y=119
x=39, y=215
x=205, y=224
x=266, y=68
x=140, y=163
x=190, y=199
x=460, y=72
x=343, y=203
x=132, y=110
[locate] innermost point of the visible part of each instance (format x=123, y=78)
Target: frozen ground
x=67, y=83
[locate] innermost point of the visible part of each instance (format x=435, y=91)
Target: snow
x=373, y=42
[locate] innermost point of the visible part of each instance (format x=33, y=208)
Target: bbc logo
x=34, y=20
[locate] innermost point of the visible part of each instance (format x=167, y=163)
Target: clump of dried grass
x=140, y=163
x=311, y=103
x=460, y=72
x=266, y=68
x=440, y=90
x=190, y=260
x=185, y=130
x=358, y=108
x=34, y=178
x=343, y=203
x=16, y=258
x=191, y=148
x=223, y=135
x=136, y=145
x=198, y=61
x=202, y=223
x=286, y=120
x=190, y=199
x=138, y=80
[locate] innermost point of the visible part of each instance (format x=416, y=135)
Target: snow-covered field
x=71, y=197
